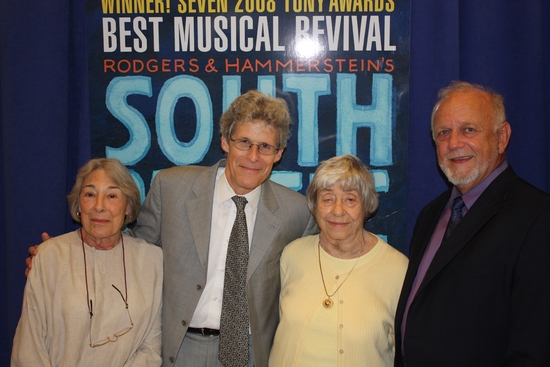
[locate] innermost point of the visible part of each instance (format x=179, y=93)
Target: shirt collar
x=224, y=192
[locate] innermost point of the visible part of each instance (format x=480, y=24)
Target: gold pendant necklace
x=328, y=302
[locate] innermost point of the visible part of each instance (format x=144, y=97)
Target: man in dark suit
x=477, y=290
x=189, y=212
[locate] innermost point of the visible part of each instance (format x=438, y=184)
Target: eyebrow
x=254, y=142
x=343, y=190
x=108, y=187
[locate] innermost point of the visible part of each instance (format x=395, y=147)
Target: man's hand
x=33, y=250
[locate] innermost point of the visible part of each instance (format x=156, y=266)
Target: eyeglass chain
x=90, y=307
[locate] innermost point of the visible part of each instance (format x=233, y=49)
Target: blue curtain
x=44, y=135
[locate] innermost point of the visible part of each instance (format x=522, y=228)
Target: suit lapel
x=267, y=224
x=425, y=226
x=426, y=229
x=266, y=227
x=199, y=211
x=486, y=206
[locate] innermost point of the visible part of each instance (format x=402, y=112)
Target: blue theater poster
x=161, y=72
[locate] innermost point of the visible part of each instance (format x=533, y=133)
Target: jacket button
x=184, y=322
x=199, y=287
x=172, y=359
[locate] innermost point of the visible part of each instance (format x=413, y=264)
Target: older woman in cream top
x=94, y=296
x=339, y=289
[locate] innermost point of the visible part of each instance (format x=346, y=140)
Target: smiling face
x=246, y=170
x=469, y=146
x=103, y=207
x=340, y=215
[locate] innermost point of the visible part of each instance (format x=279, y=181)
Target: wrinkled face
x=339, y=214
x=102, y=206
x=468, y=146
x=246, y=170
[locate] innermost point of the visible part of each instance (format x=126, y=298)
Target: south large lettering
x=308, y=88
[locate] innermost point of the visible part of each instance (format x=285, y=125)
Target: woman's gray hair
x=117, y=172
x=351, y=174
x=254, y=105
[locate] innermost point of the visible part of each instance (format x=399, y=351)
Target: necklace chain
x=328, y=302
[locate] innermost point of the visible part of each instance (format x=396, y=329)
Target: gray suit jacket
x=177, y=215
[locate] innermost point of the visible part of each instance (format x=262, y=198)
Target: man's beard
x=460, y=178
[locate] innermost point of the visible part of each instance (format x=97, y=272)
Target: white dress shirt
x=208, y=311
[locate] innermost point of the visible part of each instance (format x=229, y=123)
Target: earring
x=78, y=214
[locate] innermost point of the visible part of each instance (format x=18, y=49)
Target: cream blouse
x=359, y=328
x=55, y=325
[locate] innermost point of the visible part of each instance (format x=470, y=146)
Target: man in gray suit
x=189, y=212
